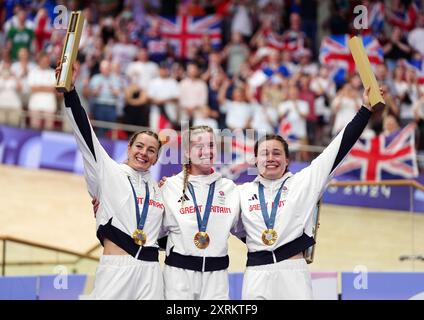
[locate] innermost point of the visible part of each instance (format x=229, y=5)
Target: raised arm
x=323, y=167
x=93, y=153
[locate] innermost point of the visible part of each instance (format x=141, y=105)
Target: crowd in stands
x=129, y=72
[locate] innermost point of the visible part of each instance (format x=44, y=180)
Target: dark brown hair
x=272, y=137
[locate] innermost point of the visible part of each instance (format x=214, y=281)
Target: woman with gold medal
x=201, y=210
x=129, y=267
x=277, y=211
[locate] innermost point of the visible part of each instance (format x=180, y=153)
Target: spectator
x=142, y=71
x=273, y=91
x=396, y=48
x=19, y=35
x=42, y=29
x=193, y=94
x=123, y=52
x=42, y=98
x=163, y=93
x=19, y=16
x=214, y=84
x=294, y=38
x=104, y=92
x=390, y=124
x=20, y=70
x=295, y=112
x=382, y=75
x=416, y=36
x=241, y=21
x=307, y=95
x=344, y=107
x=236, y=52
x=137, y=108
x=305, y=65
x=324, y=89
x=10, y=102
x=238, y=111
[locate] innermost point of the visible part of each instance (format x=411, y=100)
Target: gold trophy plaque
x=70, y=51
x=310, y=252
x=363, y=66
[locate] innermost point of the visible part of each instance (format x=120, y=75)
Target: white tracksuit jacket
x=300, y=193
x=180, y=221
x=108, y=182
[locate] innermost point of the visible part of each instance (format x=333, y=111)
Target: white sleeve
x=94, y=155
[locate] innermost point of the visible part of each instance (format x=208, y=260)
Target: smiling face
x=271, y=159
x=143, y=152
x=202, y=151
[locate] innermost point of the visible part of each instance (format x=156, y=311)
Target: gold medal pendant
x=269, y=236
x=139, y=237
x=201, y=240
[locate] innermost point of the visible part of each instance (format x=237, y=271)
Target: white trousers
x=182, y=284
x=126, y=278
x=286, y=280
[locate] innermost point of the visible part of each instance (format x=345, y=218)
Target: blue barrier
x=42, y=287
x=382, y=286
x=18, y=288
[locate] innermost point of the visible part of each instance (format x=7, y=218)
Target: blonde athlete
x=130, y=213
x=201, y=209
x=277, y=210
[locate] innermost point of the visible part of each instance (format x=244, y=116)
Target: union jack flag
x=415, y=65
x=376, y=17
x=242, y=154
x=405, y=18
x=185, y=31
x=382, y=157
x=335, y=53
x=292, y=42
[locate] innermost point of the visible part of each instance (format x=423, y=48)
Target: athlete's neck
x=194, y=171
x=272, y=177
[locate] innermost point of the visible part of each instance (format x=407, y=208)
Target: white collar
x=272, y=183
x=137, y=174
x=205, y=179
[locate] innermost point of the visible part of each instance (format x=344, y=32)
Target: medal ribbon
x=269, y=220
x=202, y=223
x=141, y=219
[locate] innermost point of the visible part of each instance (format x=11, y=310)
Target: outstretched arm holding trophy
x=128, y=231
x=279, y=209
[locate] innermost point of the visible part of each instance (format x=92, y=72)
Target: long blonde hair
x=186, y=144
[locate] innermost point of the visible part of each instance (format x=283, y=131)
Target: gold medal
x=201, y=240
x=269, y=236
x=139, y=237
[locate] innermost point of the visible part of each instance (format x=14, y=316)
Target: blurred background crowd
x=236, y=64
